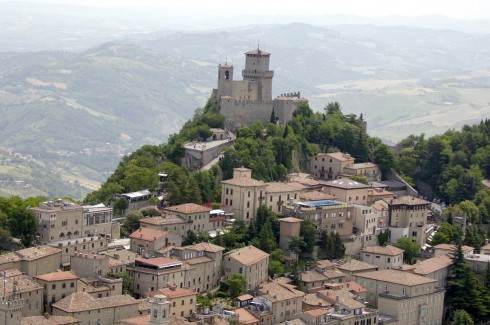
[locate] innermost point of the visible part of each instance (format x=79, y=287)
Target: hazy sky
x=468, y=9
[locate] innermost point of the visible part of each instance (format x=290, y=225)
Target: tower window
x=227, y=75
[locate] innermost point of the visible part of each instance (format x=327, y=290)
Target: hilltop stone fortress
x=243, y=102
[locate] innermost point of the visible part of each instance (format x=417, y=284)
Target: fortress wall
x=245, y=112
x=284, y=108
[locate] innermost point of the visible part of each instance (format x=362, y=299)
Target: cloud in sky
x=469, y=9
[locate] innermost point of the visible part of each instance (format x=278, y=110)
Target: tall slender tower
x=160, y=311
x=225, y=81
x=10, y=306
x=257, y=72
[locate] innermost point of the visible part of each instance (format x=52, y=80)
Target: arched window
x=227, y=75
x=62, y=235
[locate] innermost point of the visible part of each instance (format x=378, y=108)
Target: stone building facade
x=244, y=101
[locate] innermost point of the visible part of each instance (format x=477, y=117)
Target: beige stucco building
x=14, y=283
x=89, y=265
x=108, y=310
x=33, y=260
x=57, y=285
x=408, y=218
x=205, y=260
x=250, y=262
x=182, y=301
x=328, y=215
x=284, y=298
x=80, y=245
x=242, y=195
x=60, y=220
x=353, y=267
x=329, y=165
x=155, y=273
x=335, y=165
x=347, y=190
x=436, y=268
x=146, y=241
x=384, y=257
x=410, y=298
x=196, y=216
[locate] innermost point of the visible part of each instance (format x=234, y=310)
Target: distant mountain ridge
x=120, y=95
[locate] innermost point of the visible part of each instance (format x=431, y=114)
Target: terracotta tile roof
x=188, y=208
x=342, y=296
x=207, y=247
x=333, y=274
x=34, y=253
x=324, y=264
x=57, y=276
x=452, y=248
x=49, y=320
x=247, y=255
x=9, y=258
x=157, y=261
x=124, y=255
x=486, y=247
x=406, y=200
x=353, y=286
x=336, y=155
x=277, y=291
x=82, y=301
x=432, y=264
x=397, y=277
x=244, y=297
x=144, y=305
x=317, y=312
x=383, y=250
x=243, y=181
x=379, y=192
x=355, y=265
x=85, y=285
x=308, y=181
x=290, y=220
x=316, y=196
x=24, y=283
x=246, y=317
x=312, y=276
x=314, y=299
x=199, y=260
x=148, y=234
x=278, y=187
x=173, y=294
x=114, y=262
x=162, y=220
x=380, y=205
x=346, y=183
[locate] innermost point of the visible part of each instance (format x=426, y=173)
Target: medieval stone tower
x=11, y=311
x=244, y=101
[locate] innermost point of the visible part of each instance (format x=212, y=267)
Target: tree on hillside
x=132, y=221
x=235, y=285
x=23, y=224
x=383, y=238
x=464, y=290
x=326, y=248
x=338, y=246
x=309, y=234
x=296, y=244
x=120, y=206
x=411, y=249
x=461, y=317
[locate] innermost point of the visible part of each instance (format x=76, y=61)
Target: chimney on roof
x=86, y=255
x=46, y=315
x=336, y=298
x=116, y=256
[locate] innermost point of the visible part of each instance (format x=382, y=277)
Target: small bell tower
x=160, y=311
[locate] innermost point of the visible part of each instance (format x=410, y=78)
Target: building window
x=231, y=191
x=231, y=202
x=226, y=191
x=248, y=193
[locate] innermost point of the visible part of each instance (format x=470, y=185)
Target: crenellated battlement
x=11, y=304
x=296, y=95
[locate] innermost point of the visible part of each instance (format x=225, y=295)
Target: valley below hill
x=75, y=114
